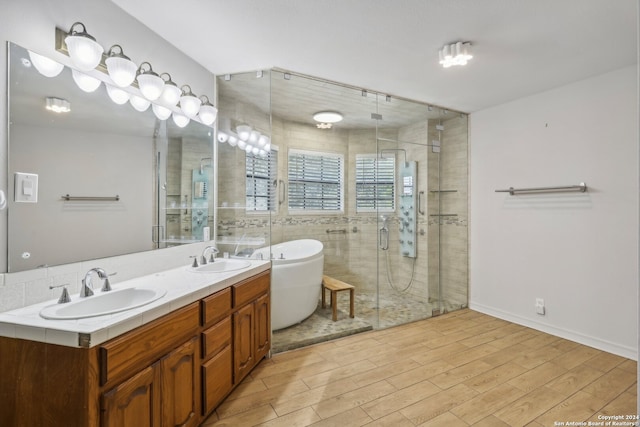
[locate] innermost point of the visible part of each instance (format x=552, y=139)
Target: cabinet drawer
x=216, y=338
x=216, y=306
x=248, y=290
x=216, y=380
x=144, y=345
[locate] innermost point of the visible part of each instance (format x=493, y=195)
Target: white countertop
x=183, y=287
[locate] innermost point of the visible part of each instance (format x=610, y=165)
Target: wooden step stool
x=336, y=286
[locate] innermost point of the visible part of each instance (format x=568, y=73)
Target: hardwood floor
x=462, y=368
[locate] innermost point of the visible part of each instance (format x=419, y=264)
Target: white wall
x=578, y=251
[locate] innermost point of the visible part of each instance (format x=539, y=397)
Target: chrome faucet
x=213, y=251
x=87, y=288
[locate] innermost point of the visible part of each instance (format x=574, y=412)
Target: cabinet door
x=217, y=379
x=180, y=386
x=263, y=326
x=243, y=342
x=134, y=403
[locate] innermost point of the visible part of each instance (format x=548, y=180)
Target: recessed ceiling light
x=327, y=117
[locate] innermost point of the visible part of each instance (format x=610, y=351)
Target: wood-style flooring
x=462, y=368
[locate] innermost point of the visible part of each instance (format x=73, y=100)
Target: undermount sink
x=222, y=266
x=104, y=303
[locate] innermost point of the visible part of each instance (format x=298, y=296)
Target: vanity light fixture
x=117, y=95
x=85, y=82
x=149, y=82
x=244, y=132
x=263, y=140
x=241, y=144
x=57, y=105
x=458, y=53
x=139, y=103
x=45, y=66
x=84, y=51
x=180, y=120
x=162, y=113
x=120, y=67
x=222, y=137
x=327, y=117
x=189, y=103
x=171, y=92
x=208, y=113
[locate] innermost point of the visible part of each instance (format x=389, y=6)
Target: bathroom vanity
x=172, y=370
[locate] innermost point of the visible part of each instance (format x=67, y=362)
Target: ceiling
x=520, y=47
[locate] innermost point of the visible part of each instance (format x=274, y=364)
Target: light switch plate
x=26, y=187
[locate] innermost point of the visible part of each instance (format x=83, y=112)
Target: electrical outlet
x=540, y=306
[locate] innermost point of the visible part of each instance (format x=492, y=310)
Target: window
x=261, y=173
x=375, y=183
x=315, y=181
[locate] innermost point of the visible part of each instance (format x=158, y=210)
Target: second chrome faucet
x=86, y=290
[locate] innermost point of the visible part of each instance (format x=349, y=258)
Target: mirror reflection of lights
x=57, y=105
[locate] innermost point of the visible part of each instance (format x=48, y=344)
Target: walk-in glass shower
x=384, y=189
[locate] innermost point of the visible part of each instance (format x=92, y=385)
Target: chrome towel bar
x=340, y=231
x=582, y=187
x=68, y=198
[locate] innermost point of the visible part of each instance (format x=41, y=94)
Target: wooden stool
x=336, y=286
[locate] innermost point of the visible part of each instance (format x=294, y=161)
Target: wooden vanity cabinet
x=251, y=324
x=172, y=371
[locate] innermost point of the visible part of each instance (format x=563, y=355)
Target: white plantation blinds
x=375, y=183
x=261, y=173
x=315, y=181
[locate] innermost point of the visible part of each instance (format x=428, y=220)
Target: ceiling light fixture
x=57, y=105
x=327, y=117
x=458, y=53
x=84, y=51
x=120, y=67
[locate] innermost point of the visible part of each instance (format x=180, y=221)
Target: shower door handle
x=384, y=231
x=282, y=191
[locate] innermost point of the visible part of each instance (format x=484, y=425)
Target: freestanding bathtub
x=296, y=275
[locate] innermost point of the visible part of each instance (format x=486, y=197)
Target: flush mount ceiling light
x=149, y=82
x=57, y=105
x=45, y=66
x=120, y=67
x=84, y=51
x=189, y=103
x=327, y=117
x=458, y=53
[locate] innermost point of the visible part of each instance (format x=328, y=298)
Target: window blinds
x=261, y=173
x=375, y=183
x=315, y=181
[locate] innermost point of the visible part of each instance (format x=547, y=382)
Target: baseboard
x=604, y=345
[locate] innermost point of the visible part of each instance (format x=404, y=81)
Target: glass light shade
x=263, y=140
x=139, y=103
x=262, y=153
x=248, y=148
x=327, y=117
x=161, y=112
x=170, y=94
x=244, y=131
x=180, y=120
x=255, y=151
x=190, y=105
x=241, y=144
x=208, y=114
x=267, y=147
x=45, y=66
x=151, y=85
x=222, y=136
x=85, y=82
x=254, y=136
x=84, y=52
x=233, y=140
x=121, y=70
x=117, y=95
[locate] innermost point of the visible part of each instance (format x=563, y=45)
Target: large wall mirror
x=134, y=182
